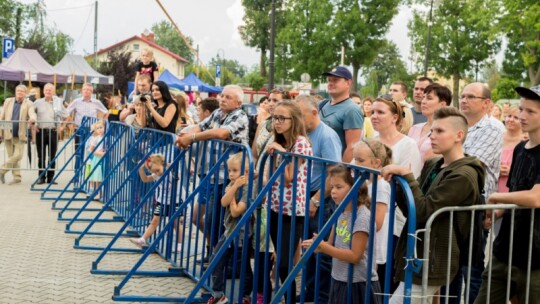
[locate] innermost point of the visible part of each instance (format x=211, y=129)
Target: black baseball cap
x=533, y=93
x=339, y=71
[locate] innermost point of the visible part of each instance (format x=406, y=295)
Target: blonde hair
x=157, y=159
x=237, y=159
x=378, y=149
x=148, y=52
x=97, y=124
x=407, y=121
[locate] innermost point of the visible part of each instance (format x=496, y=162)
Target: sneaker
x=138, y=241
x=260, y=298
x=15, y=181
x=222, y=300
x=247, y=300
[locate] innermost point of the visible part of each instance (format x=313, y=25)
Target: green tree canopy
x=166, y=36
x=120, y=66
x=463, y=36
x=504, y=89
x=521, y=24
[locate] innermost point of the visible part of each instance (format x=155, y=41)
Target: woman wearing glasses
x=289, y=136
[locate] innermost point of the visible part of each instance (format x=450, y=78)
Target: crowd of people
x=479, y=153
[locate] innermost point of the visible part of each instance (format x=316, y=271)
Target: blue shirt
x=325, y=144
x=418, y=117
x=342, y=116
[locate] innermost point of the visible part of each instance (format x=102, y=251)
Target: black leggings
x=282, y=245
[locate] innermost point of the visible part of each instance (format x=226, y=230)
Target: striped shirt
x=85, y=108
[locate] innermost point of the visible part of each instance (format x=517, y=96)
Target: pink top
x=506, y=159
x=423, y=142
x=301, y=146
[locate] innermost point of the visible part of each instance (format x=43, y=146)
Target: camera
x=145, y=97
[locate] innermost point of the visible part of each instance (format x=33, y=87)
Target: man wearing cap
x=524, y=185
x=340, y=112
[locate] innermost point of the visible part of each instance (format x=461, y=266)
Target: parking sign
x=218, y=70
x=8, y=47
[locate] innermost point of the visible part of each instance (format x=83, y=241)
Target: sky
x=212, y=24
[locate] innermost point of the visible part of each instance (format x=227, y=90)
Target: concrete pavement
x=39, y=265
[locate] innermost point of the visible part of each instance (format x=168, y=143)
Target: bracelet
x=193, y=137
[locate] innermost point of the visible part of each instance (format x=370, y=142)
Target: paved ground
x=38, y=263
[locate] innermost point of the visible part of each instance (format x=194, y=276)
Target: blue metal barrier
x=130, y=197
x=79, y=136
x=209, y=160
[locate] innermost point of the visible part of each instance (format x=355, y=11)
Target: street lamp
x=222, y=58
x=428, y=41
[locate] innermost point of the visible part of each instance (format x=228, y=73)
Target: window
x=136, y=47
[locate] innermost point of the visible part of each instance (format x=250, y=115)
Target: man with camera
x=143, y=88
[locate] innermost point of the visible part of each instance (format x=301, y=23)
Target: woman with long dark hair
x=164, y=113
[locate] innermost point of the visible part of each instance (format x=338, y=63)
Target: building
x=164, y=58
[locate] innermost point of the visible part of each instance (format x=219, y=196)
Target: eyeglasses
x=280, y=119
x=471, y=97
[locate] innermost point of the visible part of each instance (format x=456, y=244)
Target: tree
x=254, y=79
x=166, y=36
x=521, y=24
x=386, y=68
x=53, y=45
x=463, y=36
x=119, y=65
x=232, y=65
x=307, y=43
x=256, y=29
x=360, y=28
x=227, y=77
x=504, y=89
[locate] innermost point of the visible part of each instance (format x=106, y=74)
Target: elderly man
x=340, y=112
x=20, y=111
x=50, y=114
x=85, y=106
x=229, y=122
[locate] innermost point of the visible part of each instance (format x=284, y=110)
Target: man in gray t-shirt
x=340, y=112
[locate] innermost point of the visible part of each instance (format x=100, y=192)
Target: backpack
x=463, y=241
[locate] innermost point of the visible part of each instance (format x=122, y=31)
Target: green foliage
x=504, y=89
x=166, y=36
x=254, y=80
x=463, y=36
x=53, y=45
x=231, y=65
x=361, y=27
x=386, y=68
x=227, y=77
x=521, y=24
x=120, y=66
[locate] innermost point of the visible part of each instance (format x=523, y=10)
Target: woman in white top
x=386, y=117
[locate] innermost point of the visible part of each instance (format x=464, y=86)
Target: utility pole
x=95, y=33
x=272, y=46
x=428, y=41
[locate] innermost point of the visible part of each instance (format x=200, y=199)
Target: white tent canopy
x=35, y=68
x=80, y=71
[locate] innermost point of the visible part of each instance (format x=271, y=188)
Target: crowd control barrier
x=117, y=163
x=75, y=160
x=41, y=145
x=277, y=231
x=506, y=290
x=206, y=162
x=133, y=199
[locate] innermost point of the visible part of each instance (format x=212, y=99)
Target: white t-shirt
x=381, y=236
x=405, y=153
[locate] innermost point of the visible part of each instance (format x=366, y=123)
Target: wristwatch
x=315, y=202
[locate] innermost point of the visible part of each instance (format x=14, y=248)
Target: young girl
x=348, y=243
x=155, y=164
x=94, y=146
x=147, y=66
x=289, y=136
x=371, y=153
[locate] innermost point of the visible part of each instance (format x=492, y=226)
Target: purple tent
x=34, y=66
x=10, y=74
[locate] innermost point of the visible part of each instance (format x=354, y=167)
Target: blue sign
x=8, y=47
x=218, y=70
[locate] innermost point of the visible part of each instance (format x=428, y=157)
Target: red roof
x=150, y=43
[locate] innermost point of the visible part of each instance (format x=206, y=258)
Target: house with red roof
x=165, y=59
